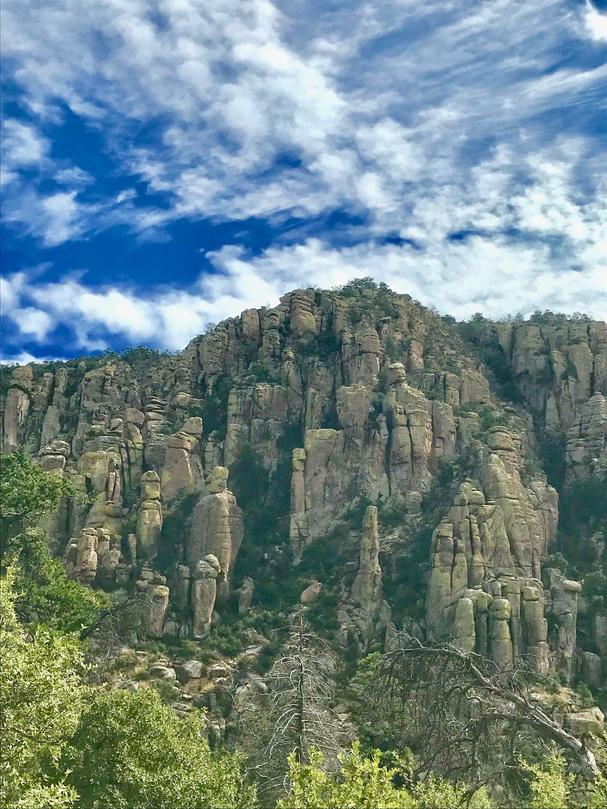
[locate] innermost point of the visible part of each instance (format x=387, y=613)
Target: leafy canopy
x=363, y=783
x=27, y=493
x=130, y=751
x=44, y=592
x=41, y=698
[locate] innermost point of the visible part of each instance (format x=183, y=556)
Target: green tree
x=41, y=697
x=363, y=783
x=27, y=493
x=44, y=592
x=551, y=785
x=130, y=751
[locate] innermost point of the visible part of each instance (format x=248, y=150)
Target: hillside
x=348, y=452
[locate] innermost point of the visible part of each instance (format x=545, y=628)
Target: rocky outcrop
x=204, y=593
x=16, y=408
x=95, y=556
x=558, y=365
x=487, y=554
x=366, y=590
x=363, y=616
x=149, y=517
x=562, y=609
x=182, y=468
x=245, y=595
x=155, y=593
x=217, y=526
x=369, y=398
x=587, y=440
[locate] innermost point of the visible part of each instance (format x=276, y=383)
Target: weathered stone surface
x=310, y=593
x=378, y=396
x=217, y=526
x=563, y=608
x=189, y=670
x=182, y=468
x=17, y=408
x=587, y=440
x=363, y=615
x=591, y=720
x=149, y=517
x=493, y=540
x=204, y=592
x=245, y=595
x=155, y=602
x=558, y=366
x=366, y=590
x=81, y=556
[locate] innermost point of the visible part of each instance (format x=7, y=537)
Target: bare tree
x=467, y=717
x=112, y=629
x=295, y=714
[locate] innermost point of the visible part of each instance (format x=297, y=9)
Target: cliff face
x=327, y=405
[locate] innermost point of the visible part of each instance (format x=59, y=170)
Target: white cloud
x=423, y=119
x=55, y=218
x=596, y=23
x=496, y=276
x=22, y=145
x=25, y=357
x=239, y=83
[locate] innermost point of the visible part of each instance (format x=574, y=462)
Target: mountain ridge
x=350, y=451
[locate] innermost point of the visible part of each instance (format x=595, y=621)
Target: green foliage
x=374, y=726
x=265, y=501
x=364, y=783
x=174, y=528
x=360, y=286
x=489, y=417
x=551, y=785
x=596, y=794
x=27, y=492
x=481, y=336
x=41, y=697
x=585, y=502
x=583, y=512
x=249, y=478
x=141, y=358
x=595, y=585
x=45, y=594
x=558, y=561
x=226, y=640
x=260, y=371
x=585, y=695
x=214, y=411
x=5, y=379
x=130, y=751
x=322, y=612
x=552, y=453
x=368, y=297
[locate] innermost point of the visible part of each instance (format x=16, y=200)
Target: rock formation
x=341, y=398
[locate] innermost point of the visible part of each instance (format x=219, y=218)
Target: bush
x=130, y=751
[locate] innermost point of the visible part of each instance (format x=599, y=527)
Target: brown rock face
x=487, y=553
x=204, y=592
x=217, y=526
x=587, y=440
x=558, y=365
x=366, y=590
x=149, y=517
x=340, y=398
x=182, y=468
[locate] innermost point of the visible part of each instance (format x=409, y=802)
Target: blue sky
x=168, y=163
